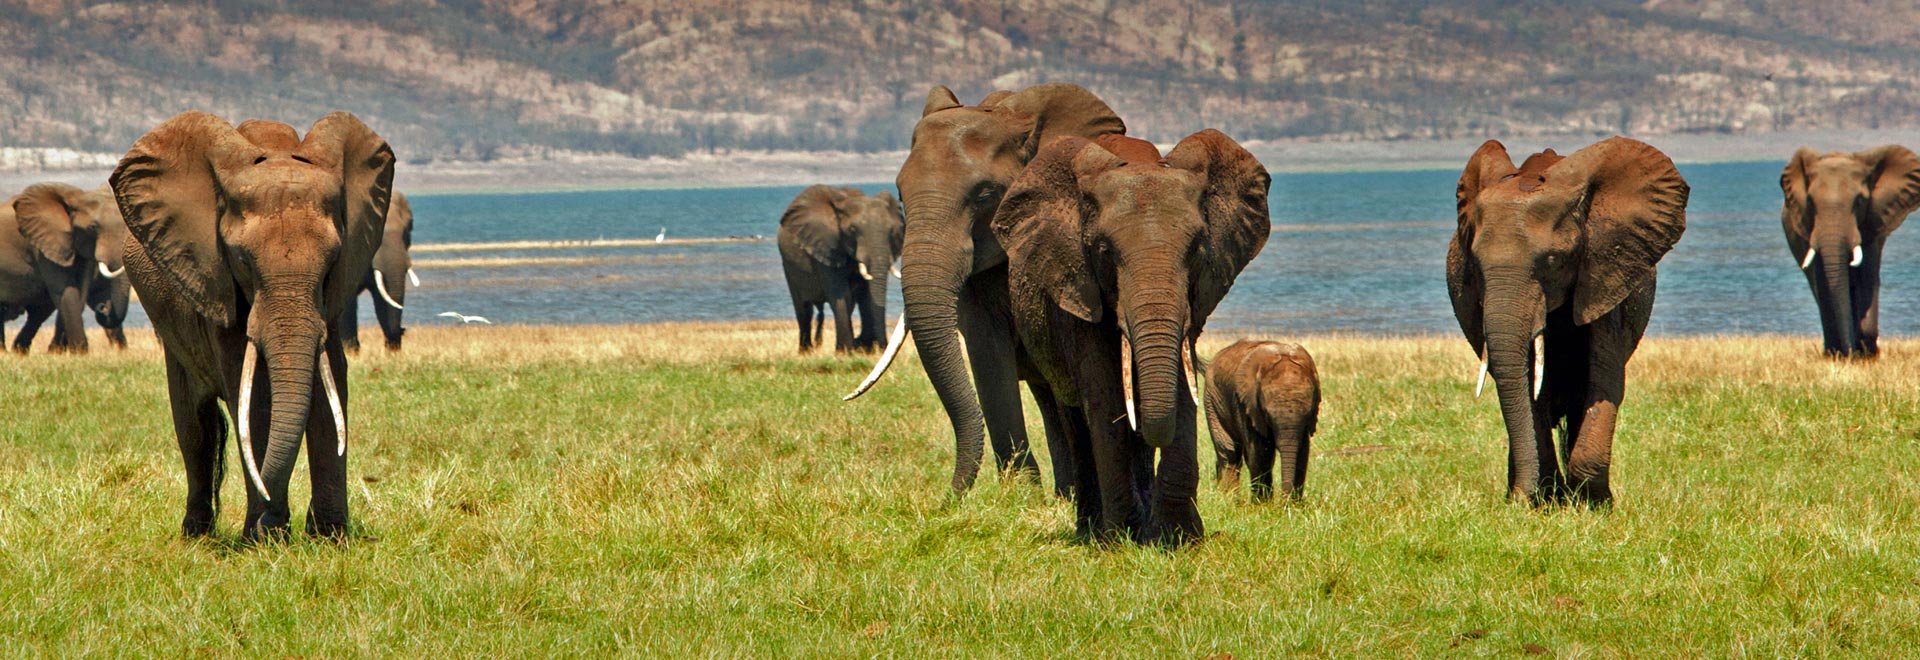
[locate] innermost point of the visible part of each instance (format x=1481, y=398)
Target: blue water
x=1351, y=252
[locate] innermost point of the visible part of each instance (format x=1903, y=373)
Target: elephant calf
x=1263, y=403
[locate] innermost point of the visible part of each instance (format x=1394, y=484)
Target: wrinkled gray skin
x=1116, y=258
x=65, y=235
x=953, y=276
x=1263, y=405
x=390, y=263
x=1564, y=249
x=250, y=241
x=1837, y=203
x=825, y=235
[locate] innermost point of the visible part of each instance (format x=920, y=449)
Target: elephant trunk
x=1838, y=320
x=390, y=282
x=1512, y=317
x=1155, y=324
x=290, y=332
x=934, y=263
x=72, y=305
x=875, y=262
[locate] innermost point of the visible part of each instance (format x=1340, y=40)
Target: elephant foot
x=196, y=526
x=393, y=347
x=270, y=527
x=331, y=529
x=1175, y=524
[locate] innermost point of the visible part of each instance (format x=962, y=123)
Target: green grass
x=697, y=490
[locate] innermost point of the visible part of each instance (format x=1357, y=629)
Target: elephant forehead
x=1139, y=185
x=1839, y=168
x=284, y=185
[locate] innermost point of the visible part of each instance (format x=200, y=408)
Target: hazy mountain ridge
x=480, y=79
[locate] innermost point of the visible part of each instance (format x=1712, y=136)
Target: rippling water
x=1350, y=252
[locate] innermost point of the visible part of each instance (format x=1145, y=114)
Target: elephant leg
x=348, y=326
x=23, y=340
x=987, y=329
x=1550, y=486
x=1109, y=462
x=71, y=305
x=1226, y=449
x=1174, y=516
x=1260, y=459
x=1058, y=444
x=803, y=313
x=1087, y=500
x=327, y=508
x=1613, y=340
x=201, y=433
x=819, y=323
x=1866, y=302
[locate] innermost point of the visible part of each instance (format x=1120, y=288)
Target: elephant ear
x=1794, y=219
x=168, y=194
x=46, y=213
x=813, y=219
x=1489, y=164
x=1041, y=221
x=995, y=97
x=939, y=98
x=1895, y=182
x=340, y=143
x=1062, y=110
x=1233, y=204
x=1632, y=206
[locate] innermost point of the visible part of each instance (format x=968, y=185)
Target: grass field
x=698, y=490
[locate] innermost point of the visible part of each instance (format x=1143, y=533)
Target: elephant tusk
x=1482, y=384
x=886, y=359
x=1857, y=256
x=110, y=274
x=380, y=282
x=333, y=401
x=1186, y=364
x=1539, y=363
x=246, y=421
x=1804, y=263
x=412, y=279
x=1126, y=378
x=895, y=270
x=864, y=274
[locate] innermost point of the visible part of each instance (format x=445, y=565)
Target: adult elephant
x=387, y=278
x=1116, y=258
x=60, y=232
x=953, y=270
x=1838, y=212
x=21, y=291
x=1551, y=273
x=249, y=243
x=837, y=246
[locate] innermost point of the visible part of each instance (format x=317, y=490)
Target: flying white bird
x=662, y=236
x=466, y=319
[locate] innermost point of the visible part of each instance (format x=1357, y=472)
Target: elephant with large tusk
x=248, y=243
x=387, y=278
x=837, y=247
x=1838, y=212
x=953, y=273
x=1117, y=256
x=1551, y=273
x=61, y=252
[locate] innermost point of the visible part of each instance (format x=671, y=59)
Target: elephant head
x=265, y=237
x=960, y=163
x=1838, y=212
x=111, y=292
x=1578, y=234
x=1110, y=232
x=393, y=270
x=64, y=225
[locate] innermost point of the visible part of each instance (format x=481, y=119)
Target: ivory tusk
x=1126, y=378
x=380, y=282
x=1857, y=256
x=895, y=270
x=333, y=401
x=1186, y=364
x=1539, y=363
x=886, y=359
x=1804, y=263
x=412, y=279
x=246, y=421
x=864, y=274
x=110, y=274
x=1482, y=384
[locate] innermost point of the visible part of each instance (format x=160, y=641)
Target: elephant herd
x=1037, y=242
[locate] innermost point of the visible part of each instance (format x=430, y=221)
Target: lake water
x=1356, y=252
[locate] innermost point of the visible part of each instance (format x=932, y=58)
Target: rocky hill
x=482, y=79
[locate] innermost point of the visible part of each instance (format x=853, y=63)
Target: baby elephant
x=1263, y=399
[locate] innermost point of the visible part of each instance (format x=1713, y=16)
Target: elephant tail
x=886, y=359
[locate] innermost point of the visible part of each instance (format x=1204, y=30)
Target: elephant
x=1263, y=403
x=1839, y=210
x=69, y=244
x=249, y=242
x=1116, y=257
x=1551, y=273
x=837, y=246
x=953, y=270
x=387, y=278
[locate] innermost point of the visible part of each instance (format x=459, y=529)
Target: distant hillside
x=480, y=79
